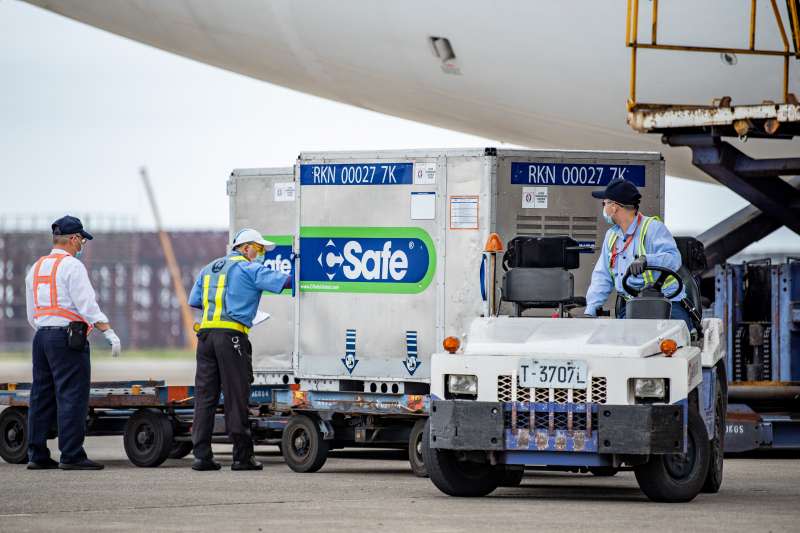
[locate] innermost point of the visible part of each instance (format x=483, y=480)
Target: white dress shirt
x=75, y=292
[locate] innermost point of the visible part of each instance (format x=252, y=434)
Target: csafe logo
x=280, y=259
x=366, y=259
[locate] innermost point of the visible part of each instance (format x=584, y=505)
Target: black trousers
x=224, y=360
x=60, y=393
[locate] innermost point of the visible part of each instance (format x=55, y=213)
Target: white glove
x=113, y=340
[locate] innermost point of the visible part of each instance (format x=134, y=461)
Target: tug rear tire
x=603, y=471
x=717, y=444
x=509, y=476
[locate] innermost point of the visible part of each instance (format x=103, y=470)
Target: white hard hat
x=250, y=235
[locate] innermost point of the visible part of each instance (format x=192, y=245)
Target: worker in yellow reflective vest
x=228, y=291
x=634, y=241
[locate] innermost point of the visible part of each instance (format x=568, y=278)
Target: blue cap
x=68, y=225
x=620, y=191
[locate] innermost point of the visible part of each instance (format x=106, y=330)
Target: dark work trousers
x=60, y=391
x=224, y=357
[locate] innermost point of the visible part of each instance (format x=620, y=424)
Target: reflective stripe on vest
x=640, y=250
x=53, y=309
x=214, y=287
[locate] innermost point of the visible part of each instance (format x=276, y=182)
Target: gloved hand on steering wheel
x=638, y=266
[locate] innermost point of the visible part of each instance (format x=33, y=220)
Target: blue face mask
x=79, y=253
x=259, y=259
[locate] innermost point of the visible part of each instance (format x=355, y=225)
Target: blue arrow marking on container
x=349, y=360
x=411, y=363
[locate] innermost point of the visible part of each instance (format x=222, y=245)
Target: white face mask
x=607, y=217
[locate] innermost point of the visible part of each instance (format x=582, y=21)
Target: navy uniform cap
x=68, y=225
x=620, y=191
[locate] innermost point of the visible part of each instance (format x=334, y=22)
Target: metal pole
x=779, y=22
x=655, y=21
x=172, y=264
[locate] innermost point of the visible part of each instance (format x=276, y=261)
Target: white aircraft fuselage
x=546, y=73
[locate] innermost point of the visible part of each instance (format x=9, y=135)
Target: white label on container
x=283, y=192
x=534, y=197
x=463, y=212
x=424, y=173
x=423, y=205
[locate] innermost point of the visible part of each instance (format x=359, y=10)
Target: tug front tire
x=454, y=477
x=678, y=477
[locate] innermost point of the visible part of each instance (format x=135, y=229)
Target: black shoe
x=249, y=464
x=86, y=464
x=202, y=465
x=47, y=464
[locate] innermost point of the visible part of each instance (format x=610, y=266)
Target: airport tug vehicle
x=576, y=394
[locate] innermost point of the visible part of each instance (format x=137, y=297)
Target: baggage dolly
x=320, y=421
x=153, y=418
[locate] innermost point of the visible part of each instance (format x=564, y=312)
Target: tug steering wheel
x=664, y=274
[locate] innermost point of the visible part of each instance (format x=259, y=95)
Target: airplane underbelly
x=538, y=74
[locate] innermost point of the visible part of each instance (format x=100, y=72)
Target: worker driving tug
x=634, y=242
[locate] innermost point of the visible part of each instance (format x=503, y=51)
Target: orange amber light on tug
x=451, y=344
x=669, y=347
x=493, y=244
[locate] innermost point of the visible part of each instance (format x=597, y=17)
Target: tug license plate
x=558, y=374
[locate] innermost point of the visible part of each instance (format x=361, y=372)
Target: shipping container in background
x=264, y=199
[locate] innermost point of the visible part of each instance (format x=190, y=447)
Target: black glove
x=638, y=266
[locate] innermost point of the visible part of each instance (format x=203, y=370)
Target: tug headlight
x=463, y=386
x=648, y=390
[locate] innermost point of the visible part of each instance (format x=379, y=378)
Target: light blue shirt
x=660, y=250
x=245, y=283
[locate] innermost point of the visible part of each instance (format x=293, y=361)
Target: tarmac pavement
x=374, y=490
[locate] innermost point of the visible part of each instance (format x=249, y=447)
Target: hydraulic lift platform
x=758, y=302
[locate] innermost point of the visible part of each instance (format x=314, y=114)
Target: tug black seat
x=538, y=275
x=540, y=288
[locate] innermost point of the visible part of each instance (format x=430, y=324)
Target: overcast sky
x=81, y=110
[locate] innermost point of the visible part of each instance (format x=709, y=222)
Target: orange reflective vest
x=52, y=308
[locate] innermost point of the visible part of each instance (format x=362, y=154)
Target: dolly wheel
x=302, y=445
x=148, y=438
x=14, y=435
x=415, y=458
x=180, y=449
